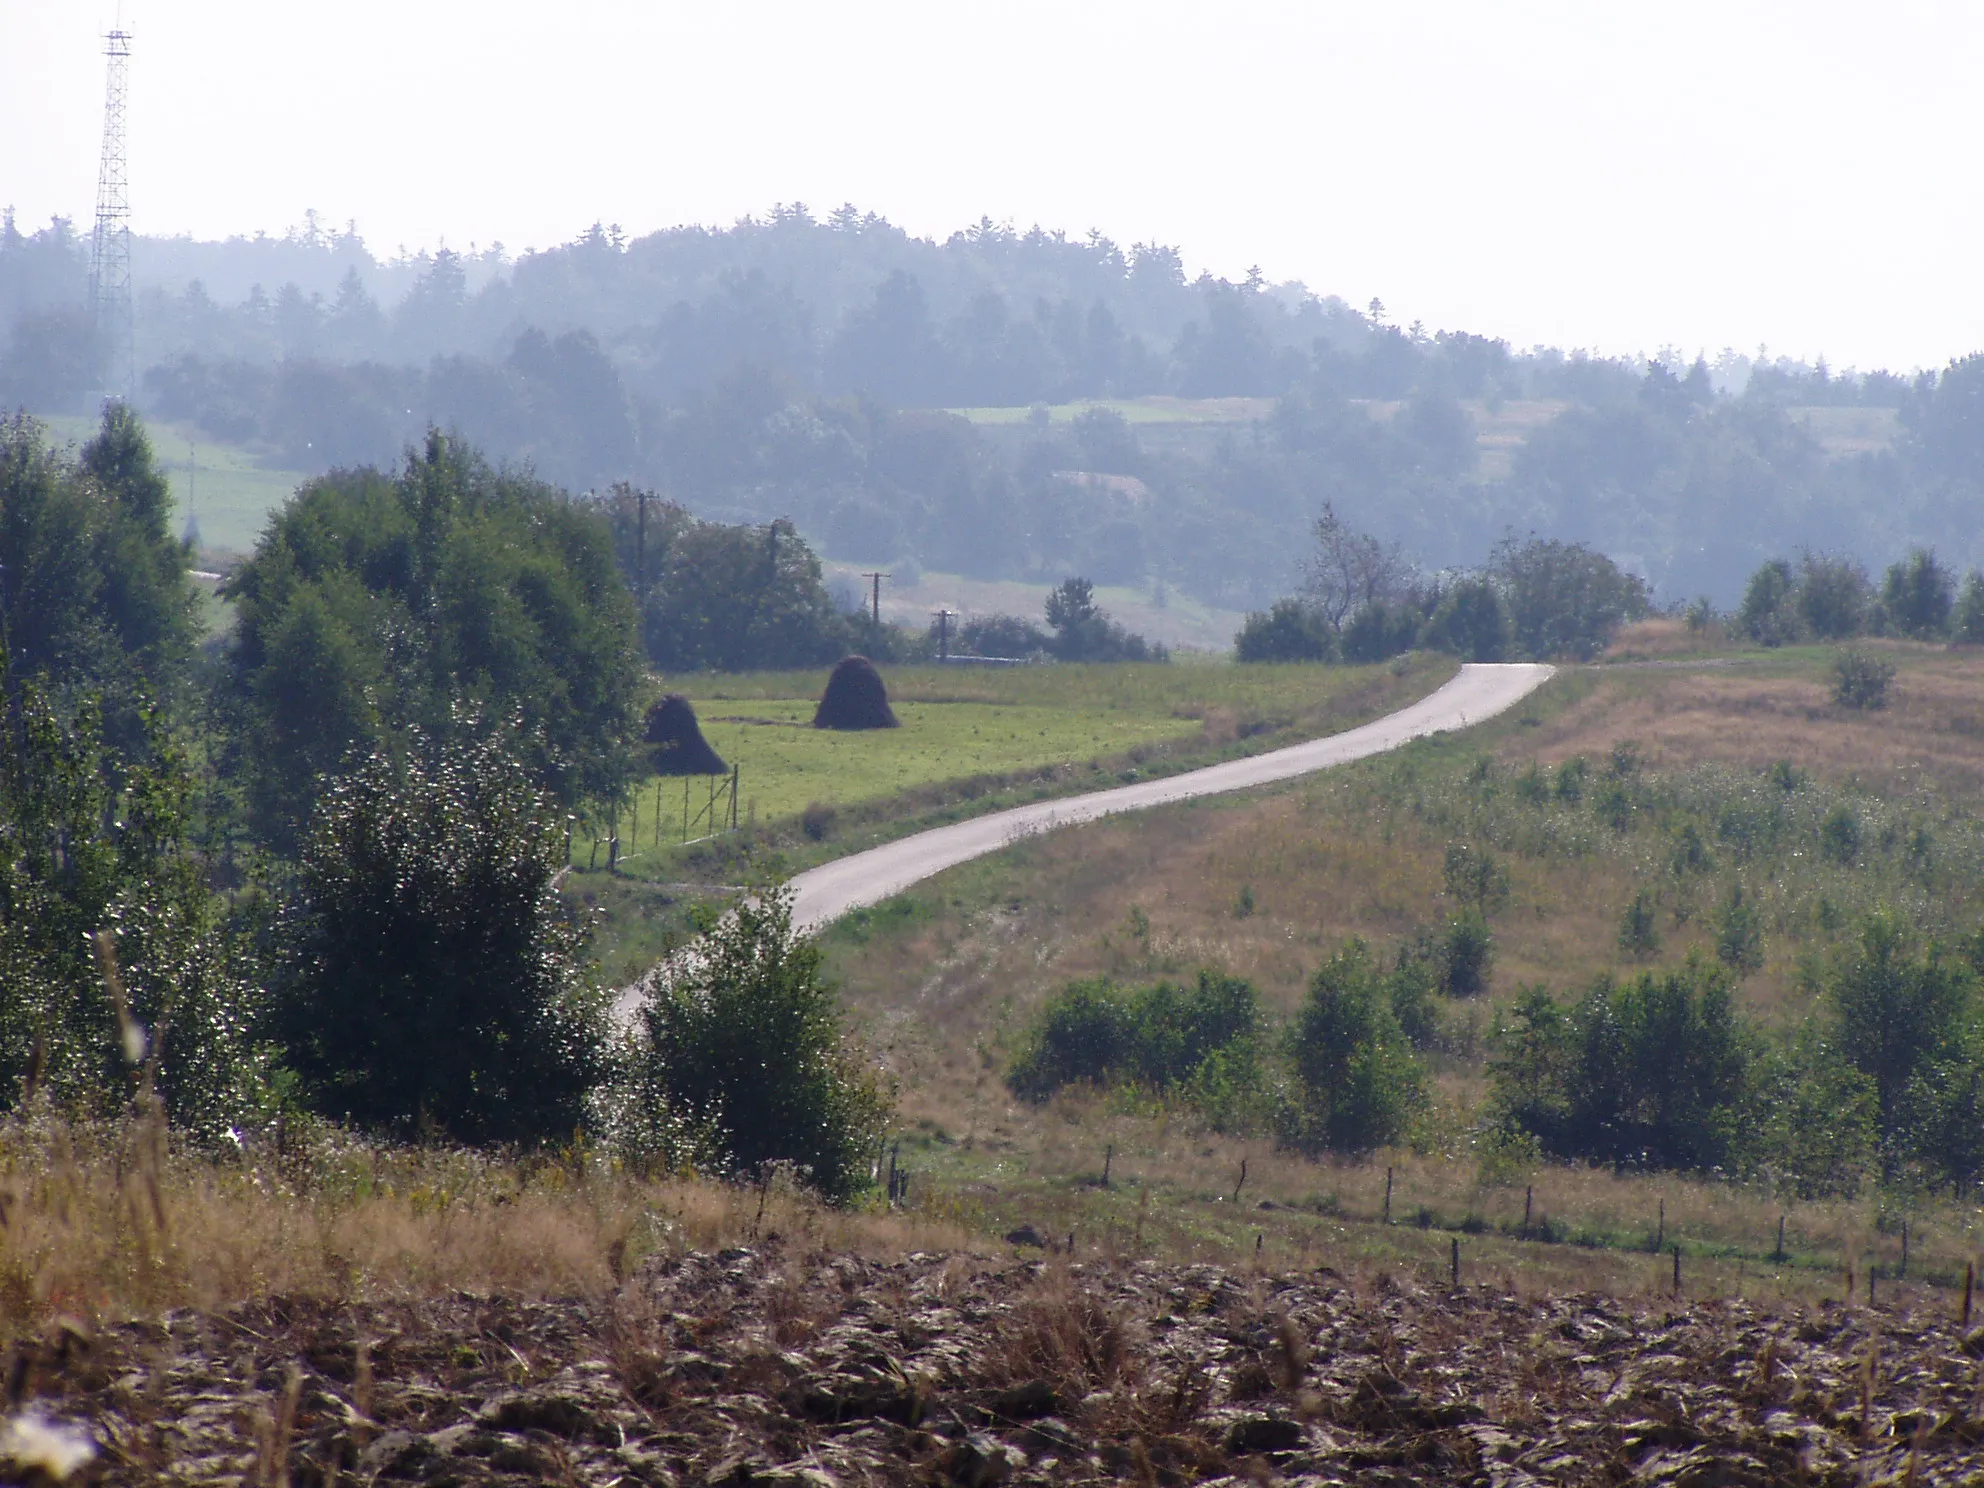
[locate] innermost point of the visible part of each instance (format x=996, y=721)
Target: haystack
x=855, y=698
x=676, y=745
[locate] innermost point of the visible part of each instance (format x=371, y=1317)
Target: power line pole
x=110, y=245
x=944, y=618
x=875, y=589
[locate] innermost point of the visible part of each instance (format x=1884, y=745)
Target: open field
x=1165, y=616
x=780, y=1364
x=224, y=486
x=945, y=978
x=963, y=723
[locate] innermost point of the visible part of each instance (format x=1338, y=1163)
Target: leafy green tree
x=1083, y=630
x=740, y=598
x=1357, y=1081
x=1916, y=596
x=1471, y=623
x=1967, y=620
x=1897, y=1012
x=102, y=900
x=1564, y=599
x=429, y=979
x=1833, y=594
x=1094, y=1032
x=94, y=595
x=1288, y=630
x=1654, y=1071
x=746, y=1043
x=1860, y=679
x=1769, y=612
x=372, y=605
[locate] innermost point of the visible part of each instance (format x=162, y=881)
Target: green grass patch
x=224, y=486
x=961, y=724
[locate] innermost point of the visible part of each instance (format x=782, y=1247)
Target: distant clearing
x=223, y=486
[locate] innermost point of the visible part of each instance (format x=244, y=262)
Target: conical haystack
x=855, y=698
x=676, y=745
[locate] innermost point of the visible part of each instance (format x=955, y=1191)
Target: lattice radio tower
x=110, y=247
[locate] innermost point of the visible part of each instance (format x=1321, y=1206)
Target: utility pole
x=875, y=591
x=110, y=244
x=944, y=618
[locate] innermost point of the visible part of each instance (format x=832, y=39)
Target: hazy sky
x=1618, y=176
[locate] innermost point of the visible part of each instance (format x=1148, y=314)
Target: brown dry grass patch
x=1931, y=734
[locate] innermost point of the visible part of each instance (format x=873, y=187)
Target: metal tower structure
x=110, y=246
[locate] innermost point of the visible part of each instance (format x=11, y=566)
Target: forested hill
x=792, y=365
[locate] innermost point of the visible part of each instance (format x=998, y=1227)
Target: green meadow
x=960, y=724
x=221, y=486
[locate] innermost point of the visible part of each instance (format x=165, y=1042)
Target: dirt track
x=764, y=1367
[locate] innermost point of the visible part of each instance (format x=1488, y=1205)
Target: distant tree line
x=1537, y=599
x=792, y=366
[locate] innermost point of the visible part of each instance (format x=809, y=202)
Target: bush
x=1860, y=679
x=1832, y=596
x=1916, y=596
x=1084, y=632
x=1471, y=623
x=1769, y=612
x=1378, y=632
x=429, y=979
x=744, y=1049
x=1288, y=631
x=100, y=885
x=1467, y=951
x=1000, y=635
x=1357, y=1081
x=1564, y=599
x=1475, y=877
x=1739, y=939
x=1639, y=932
x=1967, y=621
x=1654, y=1071
x=1160, y=1036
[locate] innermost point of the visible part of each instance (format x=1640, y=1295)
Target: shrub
x=1379, y=632
x=817, y=821
x=1769, y=614
x=1564, y=599
x=1652, y=1071
x=1860, y=679
x=1467, y=951
x=1832, y=596
x=1475, y=877
x=1916, y=596
x=100, y=884
x=1739, y=939
x=1639, y=933
x=1287, y=631
x=1159, y=1036
x=1839, y=836
x=1471, y=623
x=429, y=979
x=1357, y=1081
x=1967, y=621
x=745, y=1048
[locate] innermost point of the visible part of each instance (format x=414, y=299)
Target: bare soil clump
x=856, y=698
x=765, y=1366
x=675, y=741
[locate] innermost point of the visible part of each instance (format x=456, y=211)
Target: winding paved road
x=822, y=895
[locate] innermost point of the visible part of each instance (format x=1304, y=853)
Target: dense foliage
x=430, y=982
x=743, y=1060
x=1159, y=1036
x=114, y=955
x=374, y=603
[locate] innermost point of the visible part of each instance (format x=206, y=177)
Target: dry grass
x=945, y=985
x=100, y=1222
x=1766, y=708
